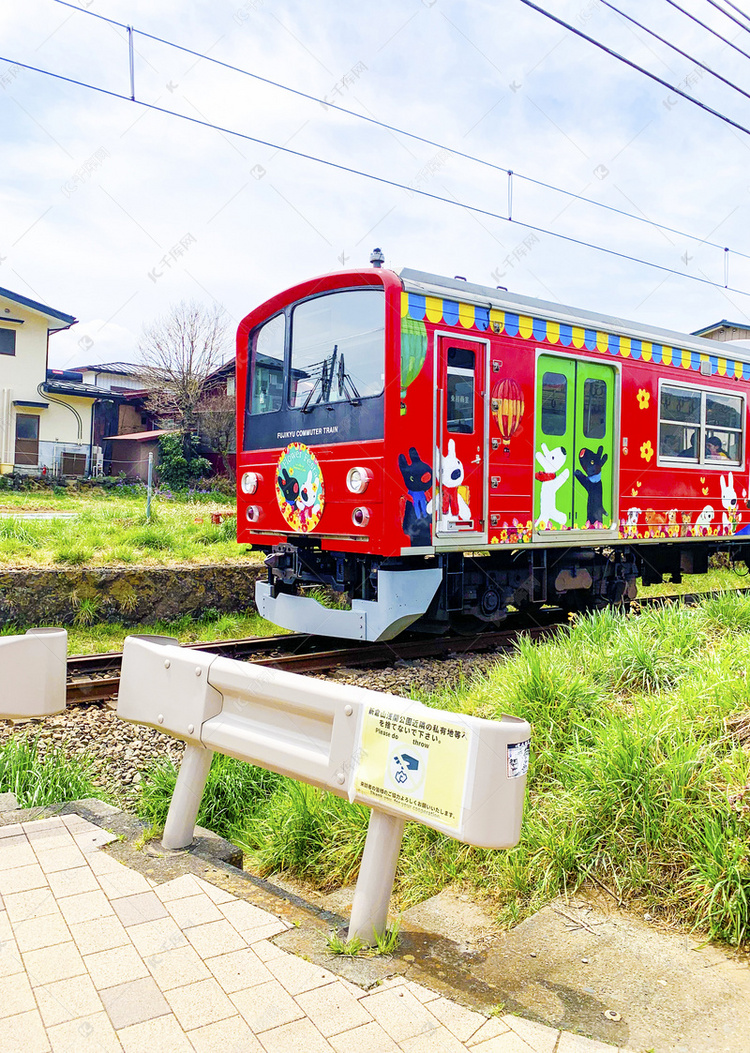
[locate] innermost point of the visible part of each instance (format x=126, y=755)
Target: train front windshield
x=317, y=371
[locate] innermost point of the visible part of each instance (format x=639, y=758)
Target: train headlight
x=361, y=517
x=250, y=482
x=358, y=479
x=253, y=513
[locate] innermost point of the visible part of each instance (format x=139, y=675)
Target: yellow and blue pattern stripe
x=470, y=316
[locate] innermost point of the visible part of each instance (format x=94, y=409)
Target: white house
x=45, y=416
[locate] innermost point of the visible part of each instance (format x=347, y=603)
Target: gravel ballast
x=121, y=751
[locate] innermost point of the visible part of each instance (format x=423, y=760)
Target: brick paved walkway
x=96, y=957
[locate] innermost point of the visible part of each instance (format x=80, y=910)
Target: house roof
x=59, y=319
x=723, y=324
x=64, y=387
x=125, y=369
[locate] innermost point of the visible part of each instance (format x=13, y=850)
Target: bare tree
x=218, y=426
x=179, y=353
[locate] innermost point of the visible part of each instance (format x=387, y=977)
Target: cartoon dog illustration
x=453, y=505
x=729, y=517
x=552, y=478
x=289, y=486
x=591, y=480
x=307, y=502
x=631, y=522
x=704, y=520
x=417, y=476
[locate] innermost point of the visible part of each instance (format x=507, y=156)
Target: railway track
x=93, y=678
x=96, y=677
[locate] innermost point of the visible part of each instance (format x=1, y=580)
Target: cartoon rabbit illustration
x=729, y=517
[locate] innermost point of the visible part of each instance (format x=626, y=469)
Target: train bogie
x=437, y=453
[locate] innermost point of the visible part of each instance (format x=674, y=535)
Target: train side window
x=723, y=426
x=594, y=409
x=698, y=427
x=460, y=389
x=554, y=403
x=267, y=365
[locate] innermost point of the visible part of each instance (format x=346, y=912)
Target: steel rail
x=96, y=677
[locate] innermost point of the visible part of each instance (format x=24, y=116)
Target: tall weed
x=234, y=792
x=51, y=778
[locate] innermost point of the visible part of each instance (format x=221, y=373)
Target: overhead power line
x=742, y=25
x=674, y=47
x=703, y=25
x=510, y=174
x=466, y=206
x=635, y=66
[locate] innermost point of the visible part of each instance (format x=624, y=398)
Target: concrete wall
x=127, y=595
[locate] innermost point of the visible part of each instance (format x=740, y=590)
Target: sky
x=114, y=211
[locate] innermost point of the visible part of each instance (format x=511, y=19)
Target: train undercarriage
x=376, y=598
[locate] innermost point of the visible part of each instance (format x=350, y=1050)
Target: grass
x=234, y=792
x=639, y=780
x=39, y=777
x=110, y=529
x=86, y=636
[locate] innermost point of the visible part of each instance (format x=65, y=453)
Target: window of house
x=7, y=341
x=700, y=427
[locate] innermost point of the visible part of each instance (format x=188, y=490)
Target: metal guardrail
x=458, y=774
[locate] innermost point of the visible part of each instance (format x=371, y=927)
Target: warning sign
x=414, y=764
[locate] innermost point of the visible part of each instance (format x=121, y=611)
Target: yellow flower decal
x=644, y=397
x=647, y=450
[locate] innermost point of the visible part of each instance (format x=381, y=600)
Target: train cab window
x=460, y=389
x=267, y=366
x=338, y=348
x=699, y=427
x=594, y=409
x=554, y=403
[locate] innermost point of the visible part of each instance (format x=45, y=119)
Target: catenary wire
x=410, y=135
x=674, y=47
x=380, y=179
x=739, y=9
x=703, y=25
x=641, y=69
x=726, y=13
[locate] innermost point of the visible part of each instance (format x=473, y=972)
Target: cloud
x=113, y=212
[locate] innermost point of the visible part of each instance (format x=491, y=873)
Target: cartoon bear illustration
x=591, y=480
x=551, y=478
x=417, y=476
x=289, y=486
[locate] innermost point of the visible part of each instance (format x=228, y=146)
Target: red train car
x=438, y=451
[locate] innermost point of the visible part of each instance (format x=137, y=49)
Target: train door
x=574, y=469
x=460, y=457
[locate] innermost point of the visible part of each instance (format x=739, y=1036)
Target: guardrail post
x=376, y=875
x=186, y=799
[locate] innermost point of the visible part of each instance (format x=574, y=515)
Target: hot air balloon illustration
x=413, y=350
x=507, y=405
